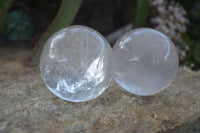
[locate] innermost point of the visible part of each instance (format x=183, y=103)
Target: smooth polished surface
x=145, y=61
x=76, y=64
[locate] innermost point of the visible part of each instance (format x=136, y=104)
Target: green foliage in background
x=141, y=14
x=64, y=18
x=17, y=26
x=192, y=60
x=4, y=6
x=192, y=38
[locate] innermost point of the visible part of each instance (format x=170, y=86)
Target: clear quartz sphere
x=146, y=61
x=76, y=64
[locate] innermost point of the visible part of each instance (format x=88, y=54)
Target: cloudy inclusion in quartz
x=145, y=61
x=76, y=64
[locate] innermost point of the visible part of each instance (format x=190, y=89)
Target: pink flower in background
x=170, y=19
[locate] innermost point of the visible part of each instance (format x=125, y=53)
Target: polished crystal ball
x=76, y=64
x=146, y=61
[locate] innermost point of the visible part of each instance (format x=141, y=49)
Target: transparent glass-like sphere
x=76, y=64
x=146, y=61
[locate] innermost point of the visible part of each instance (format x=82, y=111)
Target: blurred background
x=28, y=23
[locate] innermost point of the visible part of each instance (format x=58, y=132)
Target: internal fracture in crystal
x=76, y=64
